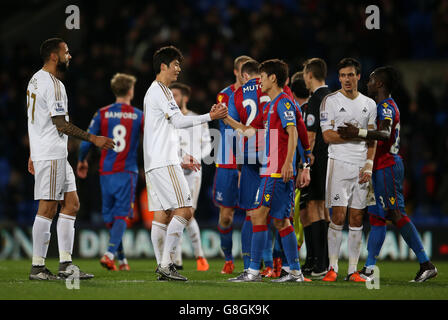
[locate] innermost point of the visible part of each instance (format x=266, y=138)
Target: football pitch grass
x=141, y=283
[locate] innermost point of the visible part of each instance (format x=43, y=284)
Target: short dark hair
x=184, y=89
x=389, y=76
x=277, y=67
x=165, y=55
x=250, y=67
x=349, y=62
x=298, y=86
x=48, y=47
x=317, y=67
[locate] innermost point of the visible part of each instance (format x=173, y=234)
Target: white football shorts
x=167, y=188
x=52, y=179
x=342, y=186
x=194, y=179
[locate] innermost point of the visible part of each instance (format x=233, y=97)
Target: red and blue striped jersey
x=278, y=114
x=124, y=124
x=246, y=106
x=226, y=148
x=386, y=151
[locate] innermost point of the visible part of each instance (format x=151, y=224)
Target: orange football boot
x=268, y=272
x=355, y=277
x=228, y=267
x=107, y=263
x=331, y=276
x=277, y=267
x=202, y=264
x=124, y=267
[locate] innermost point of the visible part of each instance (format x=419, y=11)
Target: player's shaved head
x=277, y=67
x=250, y=67
x=239, y=61
x=166, y=55
x=183, y=88
x=50, y=46
x=388, y=76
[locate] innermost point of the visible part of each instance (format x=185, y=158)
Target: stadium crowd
x=122, y=37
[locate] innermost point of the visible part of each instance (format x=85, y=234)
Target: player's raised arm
x=71, y=130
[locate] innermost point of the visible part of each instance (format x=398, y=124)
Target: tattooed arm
x=73, y=131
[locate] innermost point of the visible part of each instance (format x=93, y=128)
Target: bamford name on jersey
x=120, y=115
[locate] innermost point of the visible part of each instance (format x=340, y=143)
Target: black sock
x=324, y=226
x=318, y=244
x=309, y=247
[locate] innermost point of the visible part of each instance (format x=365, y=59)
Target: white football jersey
x=160, y=139
x=46, y=98
x=195, y=140
x=335, y=110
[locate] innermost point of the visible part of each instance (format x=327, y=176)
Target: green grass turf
x=141, y=283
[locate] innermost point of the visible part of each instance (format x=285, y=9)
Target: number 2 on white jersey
x=119, y=136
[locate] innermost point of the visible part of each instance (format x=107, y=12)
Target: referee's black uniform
x=316, y=190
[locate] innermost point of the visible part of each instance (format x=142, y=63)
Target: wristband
x=362, y=133
x=308, y=151
x=306, y=165
x=369, y=162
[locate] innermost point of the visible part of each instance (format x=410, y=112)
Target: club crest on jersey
x=385, y=105
x=287, y=105
x=289, y=115
x=364, y=110
x=267, y=197
x=392, y=200
x=342, y=110
x=220, y=97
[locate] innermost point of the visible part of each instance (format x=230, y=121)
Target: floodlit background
x=121, y=36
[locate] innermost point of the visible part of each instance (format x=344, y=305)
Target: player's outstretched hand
x=349, y=131
x=82, y=168
x=30, y=166
x=218, y=111
x=103, y=142
x=190, y=163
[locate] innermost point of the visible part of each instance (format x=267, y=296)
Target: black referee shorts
x=318, y=174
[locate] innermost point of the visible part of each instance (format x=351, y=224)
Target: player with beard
x=48, y=131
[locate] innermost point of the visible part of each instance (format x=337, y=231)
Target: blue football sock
x=412, y=238
x=259, y=238
x=375, y=243
x=246, y=241
x=120, y=251
x=226, y=241
x=116, y=235
x=267, y=252
x=277, y=251
x=289, y=243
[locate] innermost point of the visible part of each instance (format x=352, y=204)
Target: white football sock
x=178, y=254
x=195, y=236
x=354, y=247
x=158, y=235
x=173, y=234
x=334, y=244
x=66, y=233
x=41, y=239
